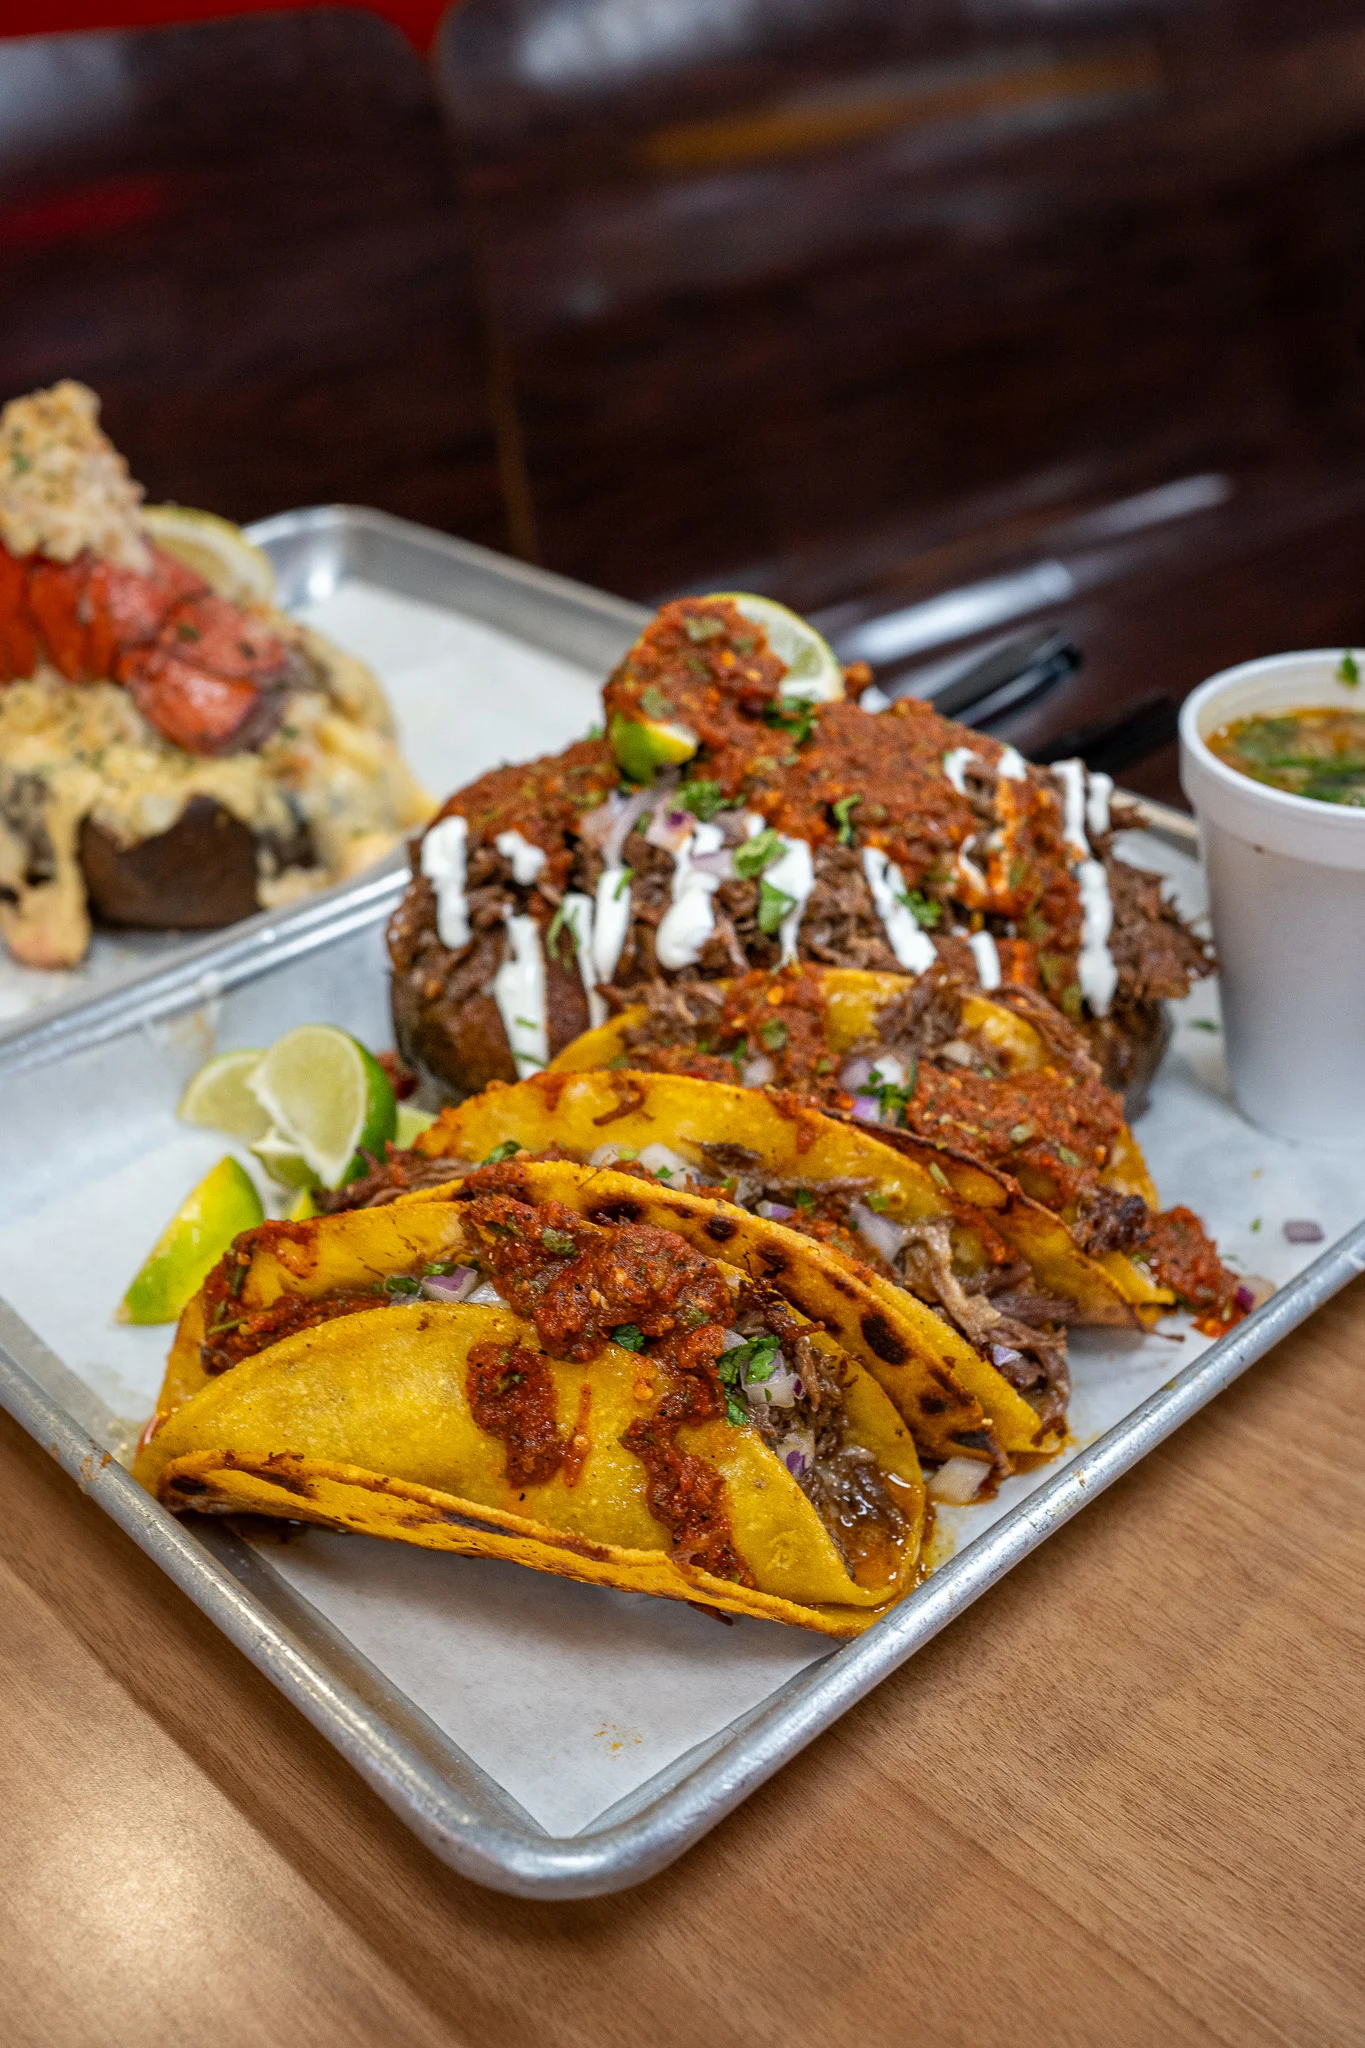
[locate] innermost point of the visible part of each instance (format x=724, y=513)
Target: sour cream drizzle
x=611, y=922
x=1101, y=788
x=1012, y=766
x=955, y=767
x=913, y=948
x=444, y=863
x=689, y=920
x=519, y=992
x=1098, y=975
x=527, y=860
x=579, y=919
x=987, y=958
x=793, y=872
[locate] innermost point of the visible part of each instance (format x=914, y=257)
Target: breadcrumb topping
x=64, y=487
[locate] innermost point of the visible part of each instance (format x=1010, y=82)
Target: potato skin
x=197, y=876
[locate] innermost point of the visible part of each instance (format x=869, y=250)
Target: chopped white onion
x=485, y=1295
x=958, y=1481
x=884, y=1235
x=757, y=1072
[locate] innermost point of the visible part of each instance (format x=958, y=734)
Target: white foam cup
x=1287, y=893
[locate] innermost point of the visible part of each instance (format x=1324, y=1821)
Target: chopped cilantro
x=878, y=1201
x=824, y=1066
x=184, y=631
x=773, y=905
x=736, y=1412
x=842, y=816
x=894, y=1097
x=936, y=1173
x=435, y=1266
x=500, y=1152
x=654, y=703
x=774, y=1034
x=756, y=854
x=702, y=626
x=1021, y=1134
x=1203, y=1024
x=595, y=732
x=1349, y=669
x=552, y=936
x=702, y=798
x=1255, y=1222
x=398, y=1285
x=923, y=909
x=755, y=1360
x=19, y=463
x=1067, y=1156
x=804, y=1199
x=558, y=1241
x=627, y=877
x=629, y=1336
x=793, y=715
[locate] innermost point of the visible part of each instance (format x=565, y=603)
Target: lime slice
x=282, y=1160
x=812, y=670
x=218, y=1097
x=303, y=1206
x=215, y=549
x=224, y=1203
x=411, y=1122
x=644, y=744
x=328, y=1099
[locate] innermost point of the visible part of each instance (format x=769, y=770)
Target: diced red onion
x=777, y=1391
x=1302, y=1230
x=856, y=1073
x=867, y=1109
x=670, y=829
x=1244, y=1299
x=776, y=1212
x=884, y=1235
x=1004, y=1354
x=611, y=824
x=797, y=1452
x=456, y=1286
x=720, y=863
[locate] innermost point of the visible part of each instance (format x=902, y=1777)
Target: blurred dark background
x=940, y=320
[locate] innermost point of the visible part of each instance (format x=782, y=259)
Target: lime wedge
x=812, y=670
x=644, y=744
x=328, y=1100
x=192, y=1243
x=282, y=1160
x=411, y=1122
x=303, y=1206
x=218, y=1097
x=215, y=549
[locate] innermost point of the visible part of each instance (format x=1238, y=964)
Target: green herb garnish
x=402, y=1285
x=703, y=799
x=773, y=906
x=750, y=859
x=558, y=1241
x=804, y=1199
x=501, y=1152
x=702, y=626
x=756, y=1360
x=1067, y=1156
x=1348, y=670
x=923, y=909
x=654, y=703
x=435, y=1266
x=843, y=817
x=629, y=1336
x=774, y=1034
x=793, y=715
x=627, y=877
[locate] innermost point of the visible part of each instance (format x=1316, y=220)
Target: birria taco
x=544, y=1363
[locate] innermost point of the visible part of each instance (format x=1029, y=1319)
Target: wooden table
x=1119, y=1802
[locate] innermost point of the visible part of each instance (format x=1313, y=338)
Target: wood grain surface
x=1118, y=1802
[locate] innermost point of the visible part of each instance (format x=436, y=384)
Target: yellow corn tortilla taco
x=935, y=1374
x=714, y=1445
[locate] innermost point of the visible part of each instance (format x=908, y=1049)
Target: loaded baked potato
x=733, y=820
x=174, y=750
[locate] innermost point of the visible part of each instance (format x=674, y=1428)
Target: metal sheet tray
x=272, y=973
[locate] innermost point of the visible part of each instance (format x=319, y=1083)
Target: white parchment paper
x=569, y=1696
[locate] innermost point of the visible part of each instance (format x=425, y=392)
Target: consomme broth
x=1318, y=752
